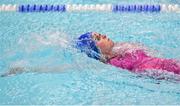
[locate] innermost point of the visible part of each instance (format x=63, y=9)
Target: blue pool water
x=38, y=41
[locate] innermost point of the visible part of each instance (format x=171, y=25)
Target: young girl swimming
x=131, y=56
x=125, y=55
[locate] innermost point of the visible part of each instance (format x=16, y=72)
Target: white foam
x=53, y=38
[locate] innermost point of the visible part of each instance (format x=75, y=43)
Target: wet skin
x=104, y=44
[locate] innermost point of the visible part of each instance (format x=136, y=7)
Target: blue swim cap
x=86, y=44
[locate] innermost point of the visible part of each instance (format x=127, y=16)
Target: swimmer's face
x=103, y=43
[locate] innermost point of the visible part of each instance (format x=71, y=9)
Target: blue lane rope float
x=136, y=8
x=116, y=8
x=41, y=8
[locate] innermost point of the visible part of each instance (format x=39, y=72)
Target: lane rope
x=117, y=8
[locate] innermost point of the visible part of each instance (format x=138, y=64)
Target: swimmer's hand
x=13, y=71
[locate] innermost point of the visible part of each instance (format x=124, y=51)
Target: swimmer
x=130, y=56
x=125, y=55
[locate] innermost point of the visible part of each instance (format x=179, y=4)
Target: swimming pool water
x=38, y=40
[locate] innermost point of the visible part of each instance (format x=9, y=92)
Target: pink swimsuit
x=138, y=61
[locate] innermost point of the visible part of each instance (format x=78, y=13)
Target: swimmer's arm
x=19, y=70
x=13, y=71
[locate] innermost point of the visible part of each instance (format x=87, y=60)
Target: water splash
x=50, y=51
